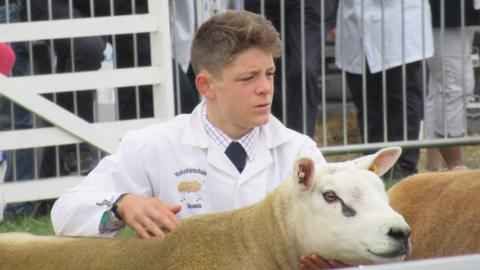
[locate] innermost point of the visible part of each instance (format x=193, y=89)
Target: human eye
x=246, y=78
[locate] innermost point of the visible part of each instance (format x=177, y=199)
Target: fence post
x=161, y=54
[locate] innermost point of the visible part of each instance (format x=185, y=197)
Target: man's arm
x=85, y=210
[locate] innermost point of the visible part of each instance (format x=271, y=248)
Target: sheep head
x=344, y=212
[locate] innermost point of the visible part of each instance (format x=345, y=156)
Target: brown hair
x=226, y=34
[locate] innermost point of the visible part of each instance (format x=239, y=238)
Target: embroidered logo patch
x=191, y=187
x=190, y=192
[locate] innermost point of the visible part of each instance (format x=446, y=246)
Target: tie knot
x=237, y=155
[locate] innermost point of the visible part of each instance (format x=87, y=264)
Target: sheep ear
x=381, y=161
x=303, y=172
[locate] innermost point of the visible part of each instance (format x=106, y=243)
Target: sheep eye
x=330, y=196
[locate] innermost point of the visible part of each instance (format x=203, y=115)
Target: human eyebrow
x=271, y=70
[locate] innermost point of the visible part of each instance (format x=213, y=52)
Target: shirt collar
x=248, y=141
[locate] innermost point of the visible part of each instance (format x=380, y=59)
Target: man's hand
x=148, y=216
x=315, y=262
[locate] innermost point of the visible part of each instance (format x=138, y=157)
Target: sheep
x=443, y=211
x=339, y=211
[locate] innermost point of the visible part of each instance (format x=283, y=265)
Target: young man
x=181, y=167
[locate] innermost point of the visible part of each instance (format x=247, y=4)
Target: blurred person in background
x=451, y=79
x=20, y=161
x=7, y=59
x=70, y=55
x=88, y=55
x=126, y=57
x=391, y=36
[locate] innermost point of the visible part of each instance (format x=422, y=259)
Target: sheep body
x=242, y=235
x=340, y=212
x=442, y=208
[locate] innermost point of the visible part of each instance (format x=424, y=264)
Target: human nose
x=265, y=85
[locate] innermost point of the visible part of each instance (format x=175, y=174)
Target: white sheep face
x=346, y=215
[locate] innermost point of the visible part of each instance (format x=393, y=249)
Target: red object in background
x=7, y=59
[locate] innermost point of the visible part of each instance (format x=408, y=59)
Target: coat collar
x=273, y=134
x=195, y=134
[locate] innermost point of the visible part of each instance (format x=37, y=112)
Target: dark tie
x=237, y=155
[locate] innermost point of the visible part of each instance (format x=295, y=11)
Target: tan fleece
x=256, y=237
x=443, y=210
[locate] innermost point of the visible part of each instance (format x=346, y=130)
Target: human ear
x=203, y=82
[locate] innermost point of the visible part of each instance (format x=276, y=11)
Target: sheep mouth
x=391, y=254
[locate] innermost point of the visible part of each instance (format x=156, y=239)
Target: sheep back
x=240, y=239
x=443, y=210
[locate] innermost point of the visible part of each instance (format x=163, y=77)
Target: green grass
x=389, y=182
x=36, y=225
x=40, y=225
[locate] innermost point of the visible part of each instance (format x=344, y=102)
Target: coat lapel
x=219, y=160
x=262, y=159
x=272, y=135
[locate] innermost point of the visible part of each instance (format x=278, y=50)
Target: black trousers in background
x=87, y=56
x=87, y=53
x=395, y=115
x=293, y=48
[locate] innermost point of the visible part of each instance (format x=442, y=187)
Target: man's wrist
x=115, y=204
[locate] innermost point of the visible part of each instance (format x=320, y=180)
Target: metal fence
x=53, y=37
x=163, y=24
x=149, y=33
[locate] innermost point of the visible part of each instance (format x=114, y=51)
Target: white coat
x=417, y=44
x=176, y=162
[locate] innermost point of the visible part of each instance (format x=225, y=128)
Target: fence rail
x=468, y=262
x=69, y=129
x=26, y=90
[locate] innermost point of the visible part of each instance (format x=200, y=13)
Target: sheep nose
x=399, y=233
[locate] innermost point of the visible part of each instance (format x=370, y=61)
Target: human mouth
x=263, y=107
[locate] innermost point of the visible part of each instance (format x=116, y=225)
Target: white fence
x=68, y=128
x=469, y=262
